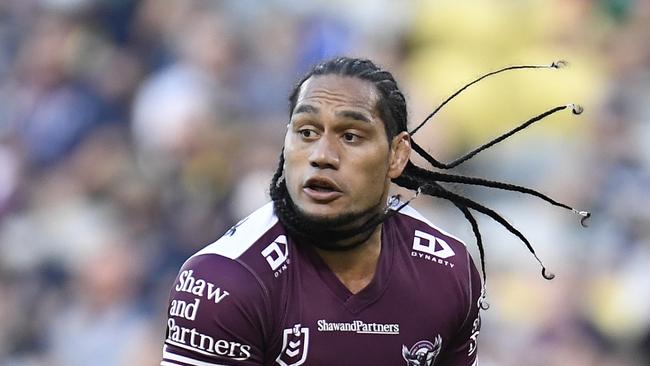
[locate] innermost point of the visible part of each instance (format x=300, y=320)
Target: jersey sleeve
x=216, y=315
x=463, y=350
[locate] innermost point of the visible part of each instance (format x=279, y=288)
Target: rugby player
x=333, y=271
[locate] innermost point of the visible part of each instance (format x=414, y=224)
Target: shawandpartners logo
x=359, y=327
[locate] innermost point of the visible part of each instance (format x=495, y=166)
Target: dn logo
x=277, y=252
x=429, y=244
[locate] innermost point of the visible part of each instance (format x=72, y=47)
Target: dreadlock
x=391, y=107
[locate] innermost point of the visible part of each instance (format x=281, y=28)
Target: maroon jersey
x=254, y=297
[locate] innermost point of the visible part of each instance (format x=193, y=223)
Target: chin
x=334, y=216
x=319, y=211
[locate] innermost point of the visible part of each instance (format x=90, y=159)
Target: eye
x=350, y=137
x=306, y=133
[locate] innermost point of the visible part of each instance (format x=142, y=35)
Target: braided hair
x=391, y=107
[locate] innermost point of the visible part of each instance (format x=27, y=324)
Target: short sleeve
x=216, y=315
x=463, y=349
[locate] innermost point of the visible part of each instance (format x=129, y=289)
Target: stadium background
x=132, y=133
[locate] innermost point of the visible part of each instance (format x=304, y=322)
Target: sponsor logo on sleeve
x=295, y=344
x=277, y=255
x=200, y=287
x=189, y=337
x=428, y=247
x=422, y=353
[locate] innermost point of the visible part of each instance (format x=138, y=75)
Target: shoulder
x=437, y=255
x=430, y=242
x=243, y=236
x=224, y=262
x=440, y=260
x=233, y=265
x=219, y=307
x=245, y=247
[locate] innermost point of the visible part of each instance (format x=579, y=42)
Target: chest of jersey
x=254, y=297
x=403, y=317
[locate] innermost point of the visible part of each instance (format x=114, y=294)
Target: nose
x=324, y=154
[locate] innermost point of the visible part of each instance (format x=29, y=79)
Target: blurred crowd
x=133, y=133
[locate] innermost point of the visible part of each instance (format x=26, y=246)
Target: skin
x=336, y=135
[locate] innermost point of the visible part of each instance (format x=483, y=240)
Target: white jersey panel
x=410, y=211
x=243, y=235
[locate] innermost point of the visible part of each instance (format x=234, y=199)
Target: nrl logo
x=423, y=353
x=295, y=343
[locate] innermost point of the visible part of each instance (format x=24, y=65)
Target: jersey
x=255, y=297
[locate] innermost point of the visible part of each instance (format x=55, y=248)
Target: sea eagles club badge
x=423, y=353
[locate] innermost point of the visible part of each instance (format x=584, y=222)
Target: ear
x=400, y=152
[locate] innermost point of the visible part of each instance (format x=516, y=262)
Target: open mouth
x=321, y=189
x=321, y=185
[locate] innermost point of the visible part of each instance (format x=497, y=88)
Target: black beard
x=344, y=232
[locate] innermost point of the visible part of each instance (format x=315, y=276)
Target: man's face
x=338, y=160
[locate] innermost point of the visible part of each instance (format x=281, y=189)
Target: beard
x=343, y=232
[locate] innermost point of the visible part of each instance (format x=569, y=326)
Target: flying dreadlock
x=392, y=110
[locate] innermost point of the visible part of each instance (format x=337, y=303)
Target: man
x=333, y=272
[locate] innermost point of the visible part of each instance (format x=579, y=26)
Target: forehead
x=339, y=90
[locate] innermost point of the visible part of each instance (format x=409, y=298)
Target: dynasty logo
x=277, y=255
x=430, y=248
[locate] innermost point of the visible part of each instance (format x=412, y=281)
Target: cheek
x=372, y=174
x=292, y=167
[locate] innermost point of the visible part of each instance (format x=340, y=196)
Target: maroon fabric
x=277, y=303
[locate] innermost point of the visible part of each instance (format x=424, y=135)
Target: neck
x=355, y=268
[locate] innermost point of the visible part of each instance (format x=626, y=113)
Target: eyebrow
x=307, y=108
x=353, y=115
